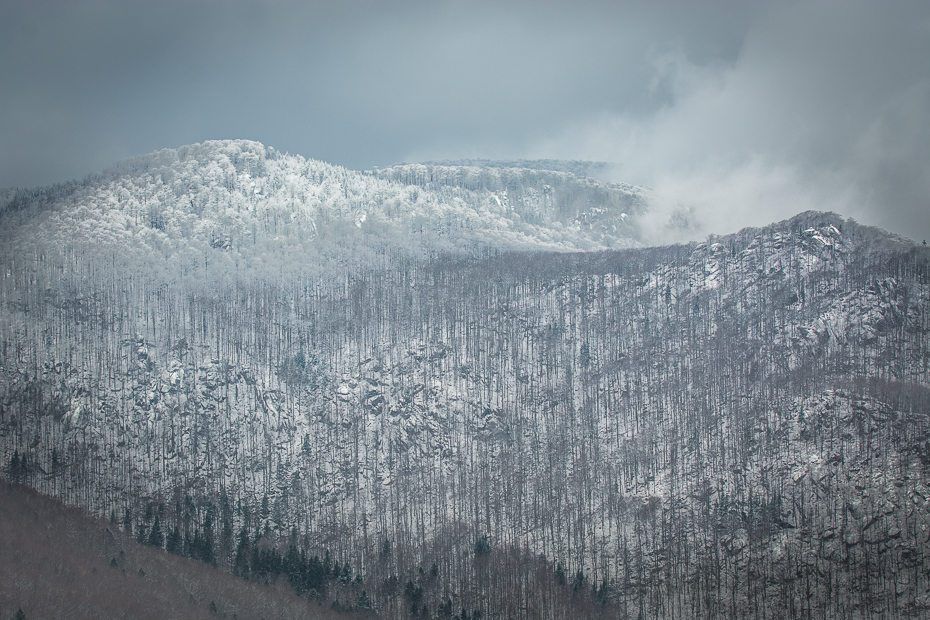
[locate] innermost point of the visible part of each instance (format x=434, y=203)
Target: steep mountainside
x=737, y=428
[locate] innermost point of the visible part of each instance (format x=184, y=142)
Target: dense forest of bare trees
x=737, y=428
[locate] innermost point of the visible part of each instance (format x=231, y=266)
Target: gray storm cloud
x=824, y=108
x=734, y=114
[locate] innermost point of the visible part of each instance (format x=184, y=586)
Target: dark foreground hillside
x=55, y=562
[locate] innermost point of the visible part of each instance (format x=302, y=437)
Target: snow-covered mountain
x=267, y=210
x=396, y=367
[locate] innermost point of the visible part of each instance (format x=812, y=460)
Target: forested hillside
x=737, y=428
x=266, y=211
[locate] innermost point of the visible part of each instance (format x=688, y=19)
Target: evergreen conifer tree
x=156, y=538
x=241, y=562
x=174, y=543
x=14, y=467
x=207, y=550
x=579, y=580
x=127, y=521
x=482, y=546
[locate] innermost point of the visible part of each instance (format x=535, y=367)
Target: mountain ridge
x=743, y=421
x=246, y=195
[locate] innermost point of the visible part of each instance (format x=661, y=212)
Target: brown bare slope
x=56, y=562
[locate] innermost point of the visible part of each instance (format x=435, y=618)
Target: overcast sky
x=737, y=113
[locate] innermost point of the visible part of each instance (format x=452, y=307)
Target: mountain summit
x=263, y=207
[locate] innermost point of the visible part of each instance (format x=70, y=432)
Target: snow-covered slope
x=268, y=210
x=741, y=422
